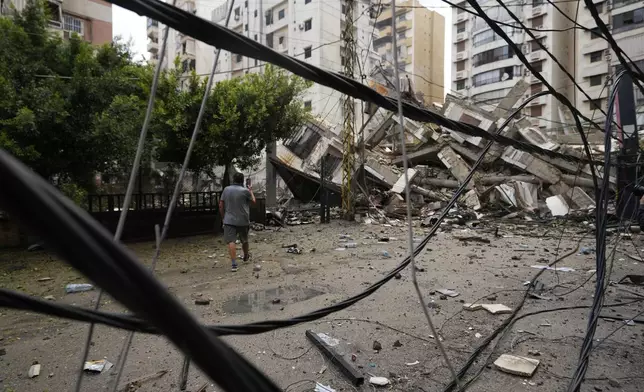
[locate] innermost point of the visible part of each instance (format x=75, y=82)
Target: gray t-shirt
x=236, y=200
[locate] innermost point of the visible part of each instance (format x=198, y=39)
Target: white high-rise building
x=484, y=68
x=192, y=54
x=310, y=30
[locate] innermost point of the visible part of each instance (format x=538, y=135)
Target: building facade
x=309, y=30
x=420, y=45
x=91, y=19
x=192, y=55
x=484, y=68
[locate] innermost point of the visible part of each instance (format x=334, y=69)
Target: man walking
x=234, y=207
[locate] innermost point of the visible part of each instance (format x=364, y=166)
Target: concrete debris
x=379, y=381
x=509, y=181
x=323, y=388
x=34, y=370
x=520, y=366
x=492, y=308
x=97, y=366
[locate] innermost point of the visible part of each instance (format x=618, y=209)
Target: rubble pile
x=509, y=182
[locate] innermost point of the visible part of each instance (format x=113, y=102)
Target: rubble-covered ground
x=290, y=284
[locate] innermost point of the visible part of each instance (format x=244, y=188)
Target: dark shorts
x=231, y=233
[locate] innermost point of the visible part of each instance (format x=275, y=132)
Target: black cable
x=600, y=260
x=89, y=248
x=223, y=38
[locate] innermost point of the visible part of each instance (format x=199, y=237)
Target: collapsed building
x=439, y=161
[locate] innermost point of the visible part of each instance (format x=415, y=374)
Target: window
x=281, y=14
x=536, y=88
x=536, y=3
x=538, y=66
x=488, y=36
x=307, y=1
x=255, y=37
x=280, y=40
x=595, y=104
x=460, y=66
x=238, y=58
x=269, y=17
x=188, y=65
x=628, y=20
x=255, y=13
x=534, y=45
x=72, y=24
x=595, y=80
x=402, y=35
x=237, y=13
x=246, y=4
x=596, y=56
x=490, y=56
x=460, y=46
x=536, y=111
x=307, y=105
x=245, y=27
x=460, y=85
x=308, y=25
x=269, y=40
x=307, y=52
x=256, y=62
x=493, y=76
x=595, y=33
x=537, y=22
x=460, y=28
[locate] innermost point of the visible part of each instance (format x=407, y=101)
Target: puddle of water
x=262, y=300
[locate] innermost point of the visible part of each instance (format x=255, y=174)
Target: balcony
x=537, y=55
x=461, y=36
x=462, y=55
x=403, y=25
x=461, y=17
x=537, y=11
x=385, y=31
x=596, y=68
x=153, y=45
x=460, y=75
x=538, y=101
x=533, y=79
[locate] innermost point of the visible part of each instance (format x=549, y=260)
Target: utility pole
x=348, y=134
x=627, y=202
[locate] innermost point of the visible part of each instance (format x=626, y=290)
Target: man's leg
x=229, y=237
x=243, y=237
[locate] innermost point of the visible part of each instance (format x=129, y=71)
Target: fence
x=196, y=213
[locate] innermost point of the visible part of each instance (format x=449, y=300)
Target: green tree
x=61, y=101
x=242, y=116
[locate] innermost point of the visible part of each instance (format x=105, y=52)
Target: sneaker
x=246, y=257
x=234, y=267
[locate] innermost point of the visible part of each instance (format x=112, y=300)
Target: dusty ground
x=315, y=279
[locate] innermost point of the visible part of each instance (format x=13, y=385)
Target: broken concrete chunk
x=448, y=292
x=557, y=205
x=399, y=186
x=34, y=370
x=492, y=308
x=580, y=199
x=379, y=381
x=97, y=366
x=520, y=366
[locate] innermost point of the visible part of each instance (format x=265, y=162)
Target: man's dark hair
x=238, y=178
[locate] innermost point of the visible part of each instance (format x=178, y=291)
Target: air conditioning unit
x=460, y=56
x=301, y=26
x=607, y=55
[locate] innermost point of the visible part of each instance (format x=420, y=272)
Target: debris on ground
x=379, y=381
x=322, y=388
x=78, y=287
x=520, y=366
x=34, y=370
x=376, y=346
x=492, y=308
x=97, y=366
x=448, y=292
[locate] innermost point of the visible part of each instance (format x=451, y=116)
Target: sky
x=130, y=26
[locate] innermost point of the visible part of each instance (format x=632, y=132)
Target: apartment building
x=420, y=46
x=485, y=68
x=193, y=55
x=91, y=19
x=310, y=30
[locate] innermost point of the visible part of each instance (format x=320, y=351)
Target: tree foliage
x=70, y=110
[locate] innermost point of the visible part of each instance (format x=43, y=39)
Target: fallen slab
x=520, y=366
